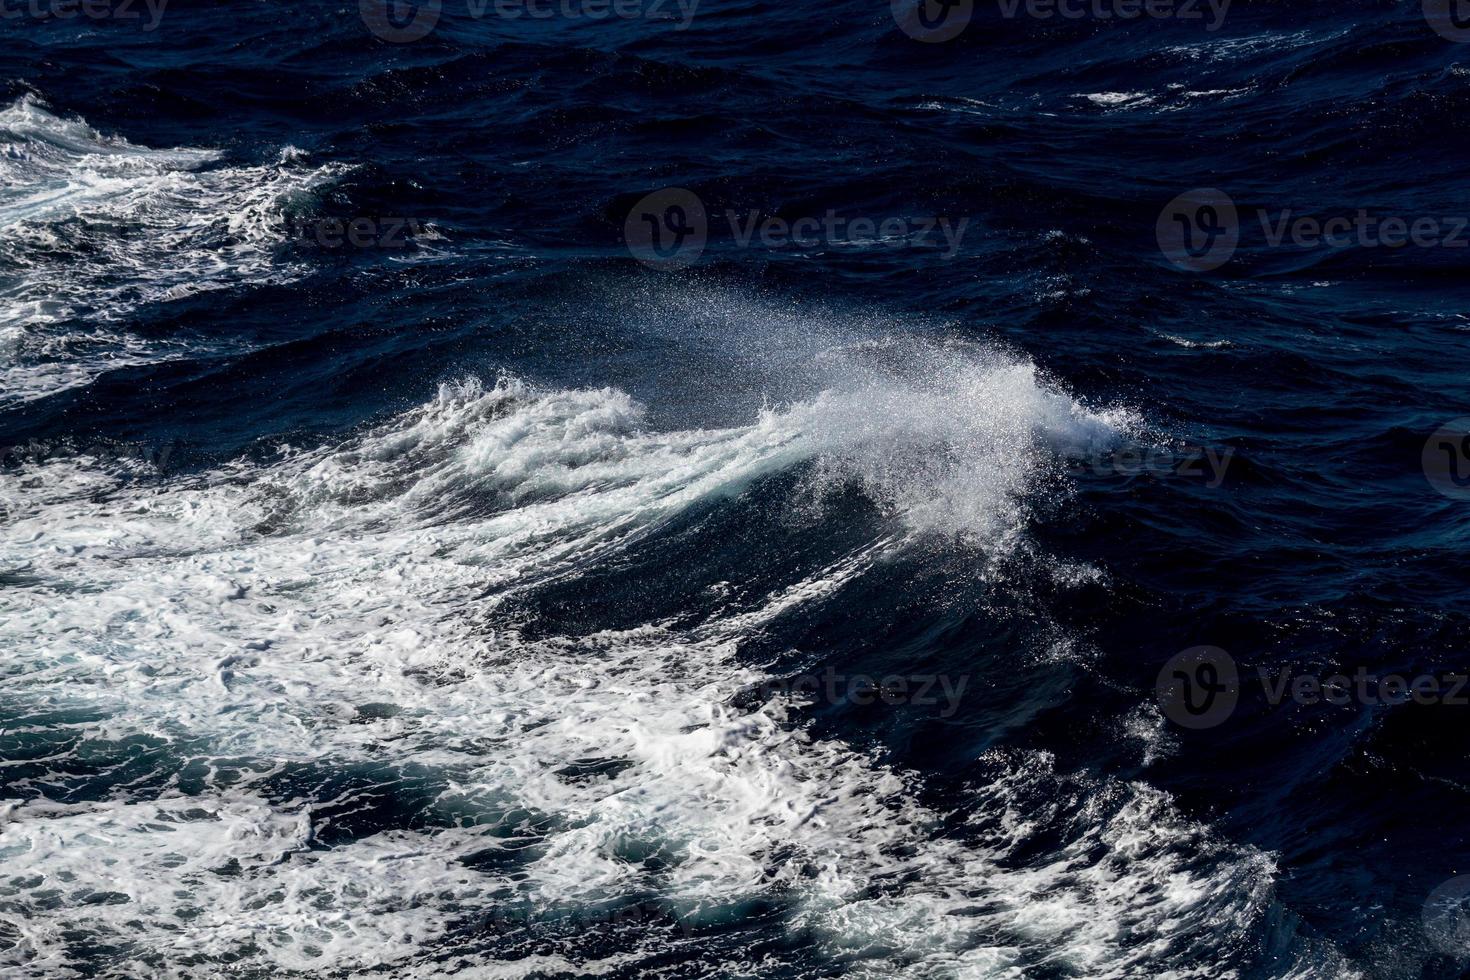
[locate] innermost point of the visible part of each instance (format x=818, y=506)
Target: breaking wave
x=252, y=661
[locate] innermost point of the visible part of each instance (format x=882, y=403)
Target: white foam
x=1222, y=48
x=1145, y=727
x=1118, y=99
x=192, y=879
x=94, y=226
x=246, y=618
x=1193, y=344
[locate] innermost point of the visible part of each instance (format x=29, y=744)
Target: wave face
x=473, y=600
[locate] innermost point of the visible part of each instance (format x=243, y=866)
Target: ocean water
x=731, y=489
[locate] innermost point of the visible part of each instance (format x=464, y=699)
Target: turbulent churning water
x=439, y=607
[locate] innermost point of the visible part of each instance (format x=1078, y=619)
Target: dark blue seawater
x=734, y=489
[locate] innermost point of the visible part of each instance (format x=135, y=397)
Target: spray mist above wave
x=948, y=438
x=94, y=226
